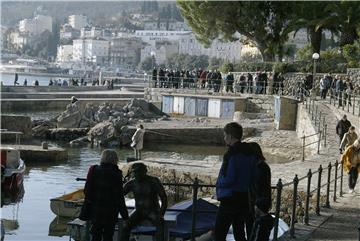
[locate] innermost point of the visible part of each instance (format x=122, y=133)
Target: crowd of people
x=256, y=83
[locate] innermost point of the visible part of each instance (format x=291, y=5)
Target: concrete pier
x=31, y=153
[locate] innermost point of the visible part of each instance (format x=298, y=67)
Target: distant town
x=145, y=40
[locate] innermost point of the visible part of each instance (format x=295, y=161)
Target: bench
x=16, y=133
x=80, y=230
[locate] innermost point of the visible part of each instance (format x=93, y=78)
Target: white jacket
x=138, y=139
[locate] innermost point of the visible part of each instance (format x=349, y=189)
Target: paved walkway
x=342, y=220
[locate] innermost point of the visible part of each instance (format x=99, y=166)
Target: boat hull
x=68, y=205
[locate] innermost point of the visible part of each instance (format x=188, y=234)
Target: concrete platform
x=8, y=105
x=31, y=153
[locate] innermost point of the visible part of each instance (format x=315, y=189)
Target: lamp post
x=315, y=57
x=152, y=54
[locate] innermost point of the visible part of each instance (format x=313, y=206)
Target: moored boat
x=12, y=170
x=68, y=205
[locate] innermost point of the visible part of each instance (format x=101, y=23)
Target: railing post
x=293, y=214
x=359, y=107
x=303, y=148
x=341, y=177
x=353, y=104
x=318, y=147
x=194, y=207
x=279, y=187
x=325, y=130
x=327, y=203
x=313, y=108
x=319, y=124
x=336, y=176
x=317, y=209
x=316, y=113
x=306, y=216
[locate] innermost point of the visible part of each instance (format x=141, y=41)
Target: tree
x=263, y=23
x=312, y=16
x=346, y=19
x=148, y=63
x=186, y=61
x=351, y=53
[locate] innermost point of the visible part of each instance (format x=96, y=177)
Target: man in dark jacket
x=236, y=176
x=104, y=192
x=342, y=127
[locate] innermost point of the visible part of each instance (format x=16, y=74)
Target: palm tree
x=346, y=19
x=312, y=15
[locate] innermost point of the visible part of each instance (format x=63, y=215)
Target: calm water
x=35, y=220
x=8, y=79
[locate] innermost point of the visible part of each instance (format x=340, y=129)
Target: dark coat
x=104, y=190
x=342, y=127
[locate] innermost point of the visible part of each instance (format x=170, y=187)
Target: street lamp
x=152, y=54
x=315, y=57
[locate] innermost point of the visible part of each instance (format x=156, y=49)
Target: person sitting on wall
x=147, y=190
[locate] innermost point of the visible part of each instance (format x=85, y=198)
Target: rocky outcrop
x=66, y=134
x=71, y=117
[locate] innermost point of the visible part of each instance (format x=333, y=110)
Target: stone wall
x=354, y=74
x=304, y=127
x=52, y=104
x=16, y=123
x=260, y=103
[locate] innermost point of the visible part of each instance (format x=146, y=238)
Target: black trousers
x=230, y=214
x=262, y=228
x=101, y=230
x=137, y=217
x=353, y=176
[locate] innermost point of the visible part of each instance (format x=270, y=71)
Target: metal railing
x=222, y=87
x=347, y=101
x=196, y=187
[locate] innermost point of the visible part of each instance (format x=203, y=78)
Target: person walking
x=138, y=141
x=236, y=175
x=342, y=127
x=349, y=138
x=16, y=79
x=104, y=197
x=351, y=163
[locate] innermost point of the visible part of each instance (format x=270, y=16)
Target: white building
x=78, y=21
x=91, y=32
x=19, y=40
x=36, y=25
x=125, y=51
x=162, y=50
x=67, y=32
x=64, y=53
x=166, y=26
x=151, y=36
x=91, y=50
x=224, y=50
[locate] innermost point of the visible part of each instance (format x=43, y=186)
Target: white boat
x=68, y=205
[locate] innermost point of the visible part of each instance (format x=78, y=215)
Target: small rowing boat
x=68, y=205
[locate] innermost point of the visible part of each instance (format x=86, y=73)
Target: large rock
x=103, y=133
x=67, y=134
x=71, y=117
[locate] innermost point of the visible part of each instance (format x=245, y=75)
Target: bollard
x=303, y=148
x=279, y=187
x=193, y=216
x=335, y=182
x=353, y=103
x=318, y=147
x=306, y=216
x=341, y=178
x=327, y=203
x=293, y=214
x=317, y=209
